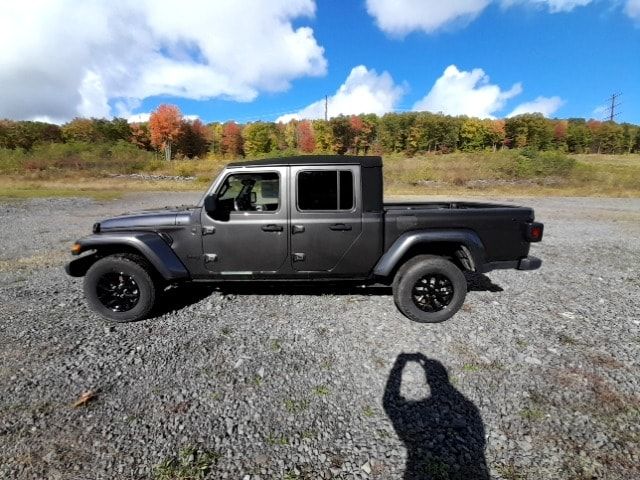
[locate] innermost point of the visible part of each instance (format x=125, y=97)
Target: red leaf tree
x=193, y=140
x=306, y=139
x=164, y=127
x=231, y=139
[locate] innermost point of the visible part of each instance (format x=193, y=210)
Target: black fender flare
x=467, y=238
x=150, y=245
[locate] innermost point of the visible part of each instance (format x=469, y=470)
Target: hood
x=161, y=217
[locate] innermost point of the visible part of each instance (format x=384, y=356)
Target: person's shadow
x=443, y=433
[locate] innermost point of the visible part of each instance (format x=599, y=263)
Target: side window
x=250, y=192
x=325, y=190
x=346, y=190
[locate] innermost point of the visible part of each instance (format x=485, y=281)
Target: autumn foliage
x=306, y=139
x=164, y=127
x=193, y=138
x=408, y=133
x=231, y=139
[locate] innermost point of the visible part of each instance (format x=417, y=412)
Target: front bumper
x=78, y=267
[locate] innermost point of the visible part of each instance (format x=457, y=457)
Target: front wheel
x=120, y=287
x=429, y=289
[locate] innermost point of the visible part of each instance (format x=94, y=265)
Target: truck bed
x=501, y=228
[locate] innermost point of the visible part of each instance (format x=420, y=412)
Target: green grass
x=189, y=464
x=321, y=391
x=471, y=368
x=296, y=406
x=308, y=434
x=326, y=364
x=532, y=414
x=63, y=170
x=273, y=439
x=510, y=472
x=368, y=411
x=513, y=172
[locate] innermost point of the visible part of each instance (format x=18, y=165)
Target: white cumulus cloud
x=138, y=117
x=400, y=17
x=554, y=6
x=62, y=58
x=145, y=116
x=547, y=106
x=632, y=9
x=459, y=92
x=364, y=91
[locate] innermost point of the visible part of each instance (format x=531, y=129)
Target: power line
x=611, y=109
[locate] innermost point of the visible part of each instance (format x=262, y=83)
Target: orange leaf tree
x=232, y=143
x=164, y=127
x=306, y=139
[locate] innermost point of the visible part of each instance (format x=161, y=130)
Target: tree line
x=408, y=133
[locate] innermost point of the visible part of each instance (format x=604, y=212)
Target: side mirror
x=210, y=203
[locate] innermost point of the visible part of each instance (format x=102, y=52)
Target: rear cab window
x=325, y=190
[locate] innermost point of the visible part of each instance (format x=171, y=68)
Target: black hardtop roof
x=365, y=161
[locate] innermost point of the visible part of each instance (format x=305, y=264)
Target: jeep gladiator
x=300, y=219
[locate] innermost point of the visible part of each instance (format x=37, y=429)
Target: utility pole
x=326, y=108
x=611, y=110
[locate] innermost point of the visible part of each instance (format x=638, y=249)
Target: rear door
x=326, y=215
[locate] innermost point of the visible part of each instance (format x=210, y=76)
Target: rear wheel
x=429, y=289
x=120, y=287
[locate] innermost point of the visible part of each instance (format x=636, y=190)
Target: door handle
x=297, y=228
x=272, y=228
x=340, y=227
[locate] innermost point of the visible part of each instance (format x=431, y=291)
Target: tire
x=120, y=287
x=443, y=296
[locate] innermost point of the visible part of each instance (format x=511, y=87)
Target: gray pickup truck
x=301, y=219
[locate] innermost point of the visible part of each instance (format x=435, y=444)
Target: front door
x=326, y=215
x=248, y=232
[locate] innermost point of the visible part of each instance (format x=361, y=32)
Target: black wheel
x=120, y=287
x=429, y=289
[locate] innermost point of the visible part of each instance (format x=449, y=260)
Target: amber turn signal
x=75, y=248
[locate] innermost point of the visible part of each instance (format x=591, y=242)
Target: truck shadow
x=182, y=296
x=479, y=282
x=443, y=433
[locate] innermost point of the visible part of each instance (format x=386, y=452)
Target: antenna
x=611, y=109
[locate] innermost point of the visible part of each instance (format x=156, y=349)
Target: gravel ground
x=538, y=380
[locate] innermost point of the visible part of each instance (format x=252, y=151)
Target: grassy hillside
x=88, y=169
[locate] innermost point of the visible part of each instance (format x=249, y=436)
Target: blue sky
x=489, y=58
